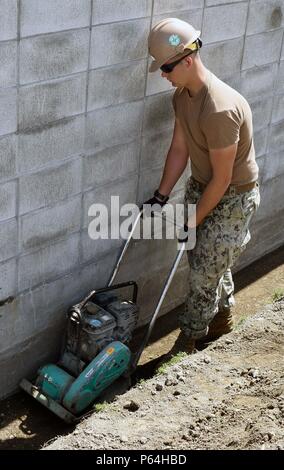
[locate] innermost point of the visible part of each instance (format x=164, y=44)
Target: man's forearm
x=211, y=196
x=175, y=165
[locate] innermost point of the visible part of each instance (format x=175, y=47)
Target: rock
x=159, y=387
x=181, y=378
x=176, y=393
x=123, y=439
x=209, y=416
x=171, y=381
x=143, y=440
x=132, y=406
x=207, y=359
x=253, y=373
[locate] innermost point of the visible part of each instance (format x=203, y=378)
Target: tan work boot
x=221, y=324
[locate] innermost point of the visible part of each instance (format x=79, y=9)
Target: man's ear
x=189, y=61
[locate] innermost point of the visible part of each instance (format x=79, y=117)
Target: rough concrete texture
x=227, y=397
x=82, y=119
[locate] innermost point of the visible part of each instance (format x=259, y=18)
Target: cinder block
x=272, y=194
x=148, y=182
x=194, y=17
x=276, y=138
x=119, y=42
x=274, y=166
x=53, y=55
x=151, y=287
x=266, y=238
x=156, y=258
x=51, y=301
x=8, y=60
x=109, y=11
x=268, y=43
x=234, y=81
x=110, y=164
x=114, y=125
x=23, y=359
x=44, y=226
x=158, y=114
x=278, y=109
x=8, y=19
x=38, y=17
x=97, y=275
x=16, y=324
x=8, y=106
x=49, y=263
x=7, y=279
x=51, y=143
x=169, y=6
x=8, y=200
x=261, y=113
x=224, y=22
x=261, y=165
x=49, y=186
x=8, y=239
x=260, y=142
x=265, y=15
x=97, y=249
x=223, y=59
x=44, y=103
x=126, y=190
x=258, y=81
x=210, y=3
x=157, y=84
x=154, y=149
x=115, y=85
x=8, y=156
x=279, y=85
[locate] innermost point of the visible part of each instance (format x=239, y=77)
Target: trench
x=25, y=424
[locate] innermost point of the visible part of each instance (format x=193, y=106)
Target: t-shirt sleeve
x=221, y=129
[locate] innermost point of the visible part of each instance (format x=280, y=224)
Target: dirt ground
x=229, y=397
x=235, y=381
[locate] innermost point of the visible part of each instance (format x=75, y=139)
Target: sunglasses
x=168, y=68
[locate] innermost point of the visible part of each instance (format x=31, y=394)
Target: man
x=213, y=128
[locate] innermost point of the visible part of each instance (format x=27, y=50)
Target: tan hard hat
x=168, y=39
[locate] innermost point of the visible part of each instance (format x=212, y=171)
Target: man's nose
x=164, y=74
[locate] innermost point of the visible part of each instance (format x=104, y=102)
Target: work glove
x=156, y=202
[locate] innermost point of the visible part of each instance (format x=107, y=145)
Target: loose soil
x=236, y=380
x=229, y=397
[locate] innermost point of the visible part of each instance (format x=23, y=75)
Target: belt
x=232, y=189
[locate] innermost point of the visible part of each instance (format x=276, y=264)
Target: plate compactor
x=95, y=351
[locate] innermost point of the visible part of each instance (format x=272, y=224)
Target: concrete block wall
x=81, y=120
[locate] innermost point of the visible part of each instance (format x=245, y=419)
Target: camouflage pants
x=220, y=240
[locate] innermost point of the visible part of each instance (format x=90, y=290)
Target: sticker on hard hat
x=174, y=40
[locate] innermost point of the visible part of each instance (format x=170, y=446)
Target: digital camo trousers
x=220, y=240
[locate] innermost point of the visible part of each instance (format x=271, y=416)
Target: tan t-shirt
x=218, y=116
